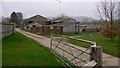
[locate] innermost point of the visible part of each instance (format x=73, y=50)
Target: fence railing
x=89, y=57
x=7, y=29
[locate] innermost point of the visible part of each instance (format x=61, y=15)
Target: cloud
x=51, y=0
x=49, y=9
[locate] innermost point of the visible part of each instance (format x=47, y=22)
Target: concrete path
x=108, y=60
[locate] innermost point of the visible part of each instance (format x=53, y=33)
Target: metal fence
x=6, y=29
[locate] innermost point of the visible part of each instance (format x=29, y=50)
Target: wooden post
x=14, y=27
x=96, y=54
x=51, y=37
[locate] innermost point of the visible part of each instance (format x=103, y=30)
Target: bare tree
x=108, y=14
x=119, y=17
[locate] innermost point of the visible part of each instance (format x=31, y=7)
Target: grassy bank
x=19, y=50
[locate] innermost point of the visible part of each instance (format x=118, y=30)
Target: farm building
x=44, y=29
x=39, y=19
x=91, y=26
x=39, y=25
x=34, y=24
x=70, y=25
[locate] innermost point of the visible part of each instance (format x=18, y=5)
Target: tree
x=19, y=17
x=13, y=18
x=107, y=11
x=16, y=18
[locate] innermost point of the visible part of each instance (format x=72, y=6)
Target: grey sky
x=49, y=9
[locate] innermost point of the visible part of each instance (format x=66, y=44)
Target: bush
x=110, y=32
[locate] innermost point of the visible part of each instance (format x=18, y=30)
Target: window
x=33, y=25
x=51, y=27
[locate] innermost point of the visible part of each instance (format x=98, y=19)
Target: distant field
x=107, y=46
x=19, y=50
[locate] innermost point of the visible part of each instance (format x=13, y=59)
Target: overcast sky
x=50, y=8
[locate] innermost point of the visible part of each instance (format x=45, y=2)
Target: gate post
x=96, y=54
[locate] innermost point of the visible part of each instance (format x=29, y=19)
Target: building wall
x=69, y=29
x=39, y=19
x=72, y=28
x=92, y=25
x=47, y=30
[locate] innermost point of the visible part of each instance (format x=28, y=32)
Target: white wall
x=69, y=29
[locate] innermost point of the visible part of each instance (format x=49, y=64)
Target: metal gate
x=74, y=54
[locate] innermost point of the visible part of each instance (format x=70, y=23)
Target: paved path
x=108, y=60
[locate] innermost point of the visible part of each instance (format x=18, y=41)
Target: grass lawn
x=0, y=52
x=19, y=50
x=107, y=46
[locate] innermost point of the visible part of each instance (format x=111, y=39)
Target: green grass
x=108, y=46
x=0, y=52
x=19, y=50
x=79, y=43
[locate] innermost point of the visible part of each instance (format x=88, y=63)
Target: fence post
x=14, y=27
x=96, y=54
x=51, y=37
